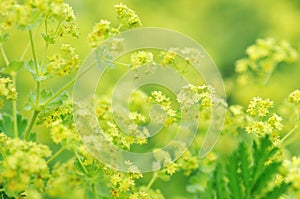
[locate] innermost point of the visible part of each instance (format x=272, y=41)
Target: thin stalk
x=62, y=149
x=32, y=121
x=119, y=27
x=58, y=25
x=154, y=177
x=3, y=154
x=74, y=80
x=33, y=53
x=38, y=84
x=85, y=191
x=81, y=164
x=120, y=63
x=289, y=133
x=94, y=191
x=14, y=104
x=4, y=55
x=297, y=112
x=46, y=43
x=59, y=92
x=37, y=93
x=46, y=26
x=65, y=87
x=25, y=51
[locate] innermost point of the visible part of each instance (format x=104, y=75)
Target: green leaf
x=266, y=175
x=262, y=153
x=35, y=19
x=3, y=37
x=43, y=97
x=13, y=67
x=43, y=73
x=250, y=172
x=163, y=176
x=209, y=193
x=194, y=188
x=32, y=137
x=245, y=168
x=233, y=176
x=48, y=39
x=79, y=168
x=277, y=191
x=7, y=124
x=219, y=184
x=197, y=183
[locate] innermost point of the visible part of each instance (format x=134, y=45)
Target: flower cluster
x=235, y=119
x=23, y=164
x=121, y=183
x=60, y=133
x=70, y=180
x=63, y=63
x=158, y=97
x=188, y=163
x=294, y=97
x=139, y=195
x=168, y=57
x=127, y=17
x=56, y=116
x=32, y=13
x=104, y=29
x=190, y=95
x=140, y=58
x=100, y=32
x=258, y=122
x=131, y=122
x=7, y=90
x=291, y=171
x=192, y=55
x=259, y=107
x=263, y=57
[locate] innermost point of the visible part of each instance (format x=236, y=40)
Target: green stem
x=14, y=104
x=297, y=112
x=81, y=164
x=58, y=25
x=46, y=26
x=119, y=27
x=32, y=121
x=37, y=93
x=289, y=133
x=62, y=149
x=65, y=87
x=59, y=92
x=25, y=51
x=85, y=191
x=154, y=177
x=267, y=78
x=46, y=43
x=33, y=52
x=120, y=63
x=4, y=55
x=3, y=153
x=94, y=191
x=38, y=84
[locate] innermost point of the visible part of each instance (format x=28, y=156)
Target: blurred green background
x=223, y=27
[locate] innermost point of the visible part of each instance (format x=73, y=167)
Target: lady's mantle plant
x=30, y=169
